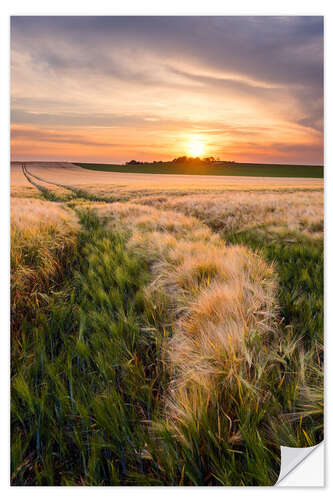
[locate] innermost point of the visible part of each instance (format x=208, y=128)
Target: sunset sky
x=112, y=89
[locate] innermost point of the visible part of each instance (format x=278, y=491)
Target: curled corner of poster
x=302, y=467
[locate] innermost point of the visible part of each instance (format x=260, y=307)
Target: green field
x=238, y=169
x=168, y=337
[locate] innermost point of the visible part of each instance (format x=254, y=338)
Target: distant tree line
x=184, y=159
x=208, y=159
x=136, y=162
x=190, y=159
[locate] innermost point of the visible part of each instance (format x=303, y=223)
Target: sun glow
x=196, y=147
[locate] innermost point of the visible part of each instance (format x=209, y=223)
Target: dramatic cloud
x=251, y=87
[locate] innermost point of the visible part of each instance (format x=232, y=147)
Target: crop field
x=165, y=329
x=231, y=169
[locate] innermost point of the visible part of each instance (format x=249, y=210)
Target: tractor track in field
x=78, y=192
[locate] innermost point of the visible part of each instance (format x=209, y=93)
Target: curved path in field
x=72, y=175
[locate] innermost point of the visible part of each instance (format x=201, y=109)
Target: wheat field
x=166, y=329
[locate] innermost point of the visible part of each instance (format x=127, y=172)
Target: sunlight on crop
x=165, y=329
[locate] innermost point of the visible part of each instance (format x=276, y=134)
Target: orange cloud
x=114, y=96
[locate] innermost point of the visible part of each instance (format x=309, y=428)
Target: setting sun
x=195, y=147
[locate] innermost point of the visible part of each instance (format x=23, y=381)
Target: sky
x=112, y=89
